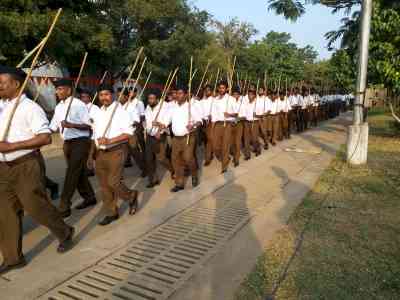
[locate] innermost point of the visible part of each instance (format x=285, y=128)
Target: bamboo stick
x=202, y=79
x=167, y=86
x=96, y=94
x=28, y=76
x=75, y=87
x=122, y=91
x=145, y=85
x=21, y=63
x=136, y=81
x=190, y=97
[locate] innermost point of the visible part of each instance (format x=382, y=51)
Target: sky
x=308, y=30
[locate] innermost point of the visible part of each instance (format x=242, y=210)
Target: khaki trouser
x=284, y=124
x=109, y=168
x=22, y=189
x=251, y=137
x=183, y=156
x=222, y=141
x=136, y=150
x=209, y=143
x=76, y=153
x=237, y=135
x=156, y=151
x=264, y=131
x=273, y=128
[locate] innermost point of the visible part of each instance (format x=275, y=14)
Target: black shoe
x=247, y=157
x=86, y=204
x=207, y=163
x=224, y=171
x=266, y=147
x=236, y=164
x=143, y=174
x=195, y=181
x=67, y=244
x=133, y=203
x=5, y=269
x=65, y=214
x=108, y=220
x=177, y=189
x=273, y=144
x=54, y=191
x=153, y=184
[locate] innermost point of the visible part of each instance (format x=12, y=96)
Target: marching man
x=112, y=128
x=71, y=118
x=184, y=118
x=21, y=177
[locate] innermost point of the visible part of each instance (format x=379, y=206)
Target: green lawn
x=343, y=241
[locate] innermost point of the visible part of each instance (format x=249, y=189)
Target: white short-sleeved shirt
x=178, y=117
x=138, y=105
x=29, y=120
x=133, y=112
x=274, y=107
x=240, y=107
x=3, y=104
x=284, y=105
x=150, y=116
x=78, y=114
x=293, y=100
x=221, y=106
x=207, y=106
x=120, y=124
x=93, y=110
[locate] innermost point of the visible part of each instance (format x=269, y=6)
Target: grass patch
x=343, y=241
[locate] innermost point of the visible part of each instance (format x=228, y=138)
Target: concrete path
x=194, y=245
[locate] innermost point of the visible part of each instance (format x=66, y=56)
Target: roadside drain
x=154, y=266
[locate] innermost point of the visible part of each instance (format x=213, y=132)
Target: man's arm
x=83, y=127
x=36, y=142
x=116, y=140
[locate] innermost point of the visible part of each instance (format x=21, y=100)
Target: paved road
x=235, y=215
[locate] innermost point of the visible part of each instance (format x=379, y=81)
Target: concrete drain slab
x=154, y=266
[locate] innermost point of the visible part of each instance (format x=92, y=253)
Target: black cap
x=155, y=92
x=63, y=82
x=126, y=92
x=236, y=89
x=16, y=73
x=182, y=88
x=105, y=87
x=81, y=90
x=253, y=91
x=134, y=90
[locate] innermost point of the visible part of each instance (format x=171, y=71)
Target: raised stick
x=28, y=76
x=122, y=91
x=101, y=82
x=145, y=85
x=136, y=82
x=202, y=79
x=167, y=86
x=30, y=54
x=255, y=102
x=190, y=97
x=75, y=87
x=230, y=88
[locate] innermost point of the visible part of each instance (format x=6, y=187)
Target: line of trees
x=384, y=62
x=170, y=30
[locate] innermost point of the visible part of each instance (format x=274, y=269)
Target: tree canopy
x=170, y=31
x=384, y=61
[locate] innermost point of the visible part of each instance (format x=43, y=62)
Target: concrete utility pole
x=357, y=139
